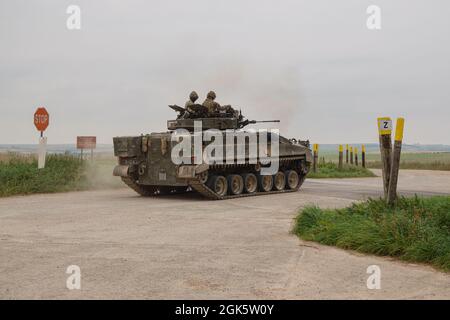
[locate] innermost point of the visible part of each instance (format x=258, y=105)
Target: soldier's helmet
x=193, y=96
x=211, y=95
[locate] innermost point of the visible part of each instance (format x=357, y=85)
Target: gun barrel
x=177, y=108
x=247, y=122
x=262, y=121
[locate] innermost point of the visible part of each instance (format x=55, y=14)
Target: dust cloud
x=263, y=91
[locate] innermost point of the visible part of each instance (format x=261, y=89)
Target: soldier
x=209, y=103
x=192, y=98
x=229, y=110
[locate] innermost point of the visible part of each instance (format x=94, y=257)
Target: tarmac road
x=184, y=247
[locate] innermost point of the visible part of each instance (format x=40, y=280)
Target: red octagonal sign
x=41, y=119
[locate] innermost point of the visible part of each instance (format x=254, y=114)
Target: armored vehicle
x=150, y=164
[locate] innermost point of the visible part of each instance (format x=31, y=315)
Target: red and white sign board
x=41, y=119
x=86, y=142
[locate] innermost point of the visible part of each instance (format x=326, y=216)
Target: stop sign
x=41, y=119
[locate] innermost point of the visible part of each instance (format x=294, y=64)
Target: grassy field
x=19, y=174
x=414, y=160
x=415, y=165
x=415, y=230
x=331, y=170
x=418, y=161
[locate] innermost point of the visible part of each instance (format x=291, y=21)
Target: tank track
x=206, y=192
x=145, y=191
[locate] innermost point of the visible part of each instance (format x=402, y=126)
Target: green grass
x=409, y=160
x=19, y=175
x=425, y=157
x=331, y=170
x=415, y=165
x=415, y=229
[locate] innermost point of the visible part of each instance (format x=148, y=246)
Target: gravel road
x=184, y=247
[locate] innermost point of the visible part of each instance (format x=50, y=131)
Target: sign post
x=346, y=153
x=87, y=142
x=351, y=155
x=395, y=165
x=41, y=121
x=315, y=156
x=363, y=156
x=385, y=130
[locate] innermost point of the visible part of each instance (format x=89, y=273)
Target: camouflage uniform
x=228, y=109
x=192, y=98
x=209, y=103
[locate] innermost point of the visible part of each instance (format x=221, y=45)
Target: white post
x=41, y=152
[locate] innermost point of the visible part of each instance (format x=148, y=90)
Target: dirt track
x=186, y=247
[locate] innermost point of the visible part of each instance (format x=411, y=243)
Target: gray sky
x=313, y=64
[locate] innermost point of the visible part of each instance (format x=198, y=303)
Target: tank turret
x=223, y=119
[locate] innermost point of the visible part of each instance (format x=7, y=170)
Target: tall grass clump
x=20, y=175
x=415, y=229
x=331, y=170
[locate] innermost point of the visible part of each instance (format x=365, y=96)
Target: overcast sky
x=312, y=64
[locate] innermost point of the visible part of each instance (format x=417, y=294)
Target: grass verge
x=416, y=229
x=331, y=170
x=416, y=165
x=19, y=175
x=409, y=160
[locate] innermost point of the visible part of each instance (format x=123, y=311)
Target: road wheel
x=265, y=182
x=219, y=185
x=279, y=181
x=250, y=183
x=203, y=177
x=292, y=179
x=235, y=184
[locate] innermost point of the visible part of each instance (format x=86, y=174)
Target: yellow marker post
x=341, y=156
x=351, y=155
x=346, y=153
x=400, y=126
x=316, y=156
x=363, y=156
x=395, y=166
x=356, y=156
x=385, y=130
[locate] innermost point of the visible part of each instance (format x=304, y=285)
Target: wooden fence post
x=356, y=156
x=385, y=130
x=363, y=156
x=351, y=155
x=341, y=156
x=346, y=153
x=395, y=166
x=316, y=156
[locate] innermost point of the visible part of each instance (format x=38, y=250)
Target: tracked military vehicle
x=145, y=162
